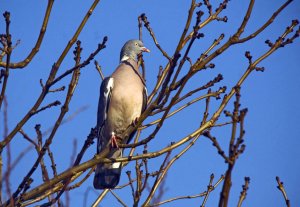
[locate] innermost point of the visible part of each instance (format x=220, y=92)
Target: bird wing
x=103, y=105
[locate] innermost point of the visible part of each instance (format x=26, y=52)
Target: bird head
x=132, y=49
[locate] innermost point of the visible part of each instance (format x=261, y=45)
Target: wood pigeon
x=123, y=97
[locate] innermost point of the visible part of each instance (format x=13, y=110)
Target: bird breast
x=126, y=101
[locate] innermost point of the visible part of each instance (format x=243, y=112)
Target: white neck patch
x=125, y=57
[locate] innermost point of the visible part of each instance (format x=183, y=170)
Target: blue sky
x=272, y=124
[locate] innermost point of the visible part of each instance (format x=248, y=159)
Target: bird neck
x=125, y=56
x=128, y=58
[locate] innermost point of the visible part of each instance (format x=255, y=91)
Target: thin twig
x=118, y=198
x=58, y=89
x=215, y=94
x=140, y=57
x=78, y=184
x=201, y=25
x=205, y=113
x=8, y=55
x=147, y=25
x=158, y=179
x=128, y=173
x=155, y=173
x=83, y=64
x=209, y=189
x=17, y=160
x=55, y=103
x=216, y=144
x=53, y=165
x=8, y=151
x=265, y=25
x=99, y=69
x=100, y=197
x=282, y=190
x=244, y=191
x=189, y=196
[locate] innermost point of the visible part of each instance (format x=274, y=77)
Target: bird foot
x=113, y=141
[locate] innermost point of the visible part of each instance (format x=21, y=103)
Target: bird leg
x=113, y=141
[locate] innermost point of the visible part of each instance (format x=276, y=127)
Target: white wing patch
x=117, y=164
x=109, y=87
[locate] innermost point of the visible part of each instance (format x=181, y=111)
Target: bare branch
x=38, y=43
x=265, y=25
x=50, y=78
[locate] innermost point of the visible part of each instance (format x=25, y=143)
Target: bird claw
x=113, y=141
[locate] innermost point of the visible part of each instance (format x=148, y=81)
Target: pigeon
x=123, y=97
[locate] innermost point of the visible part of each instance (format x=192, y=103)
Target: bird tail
x=107, y=175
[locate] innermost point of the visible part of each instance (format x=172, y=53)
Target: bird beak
x=144, y=49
